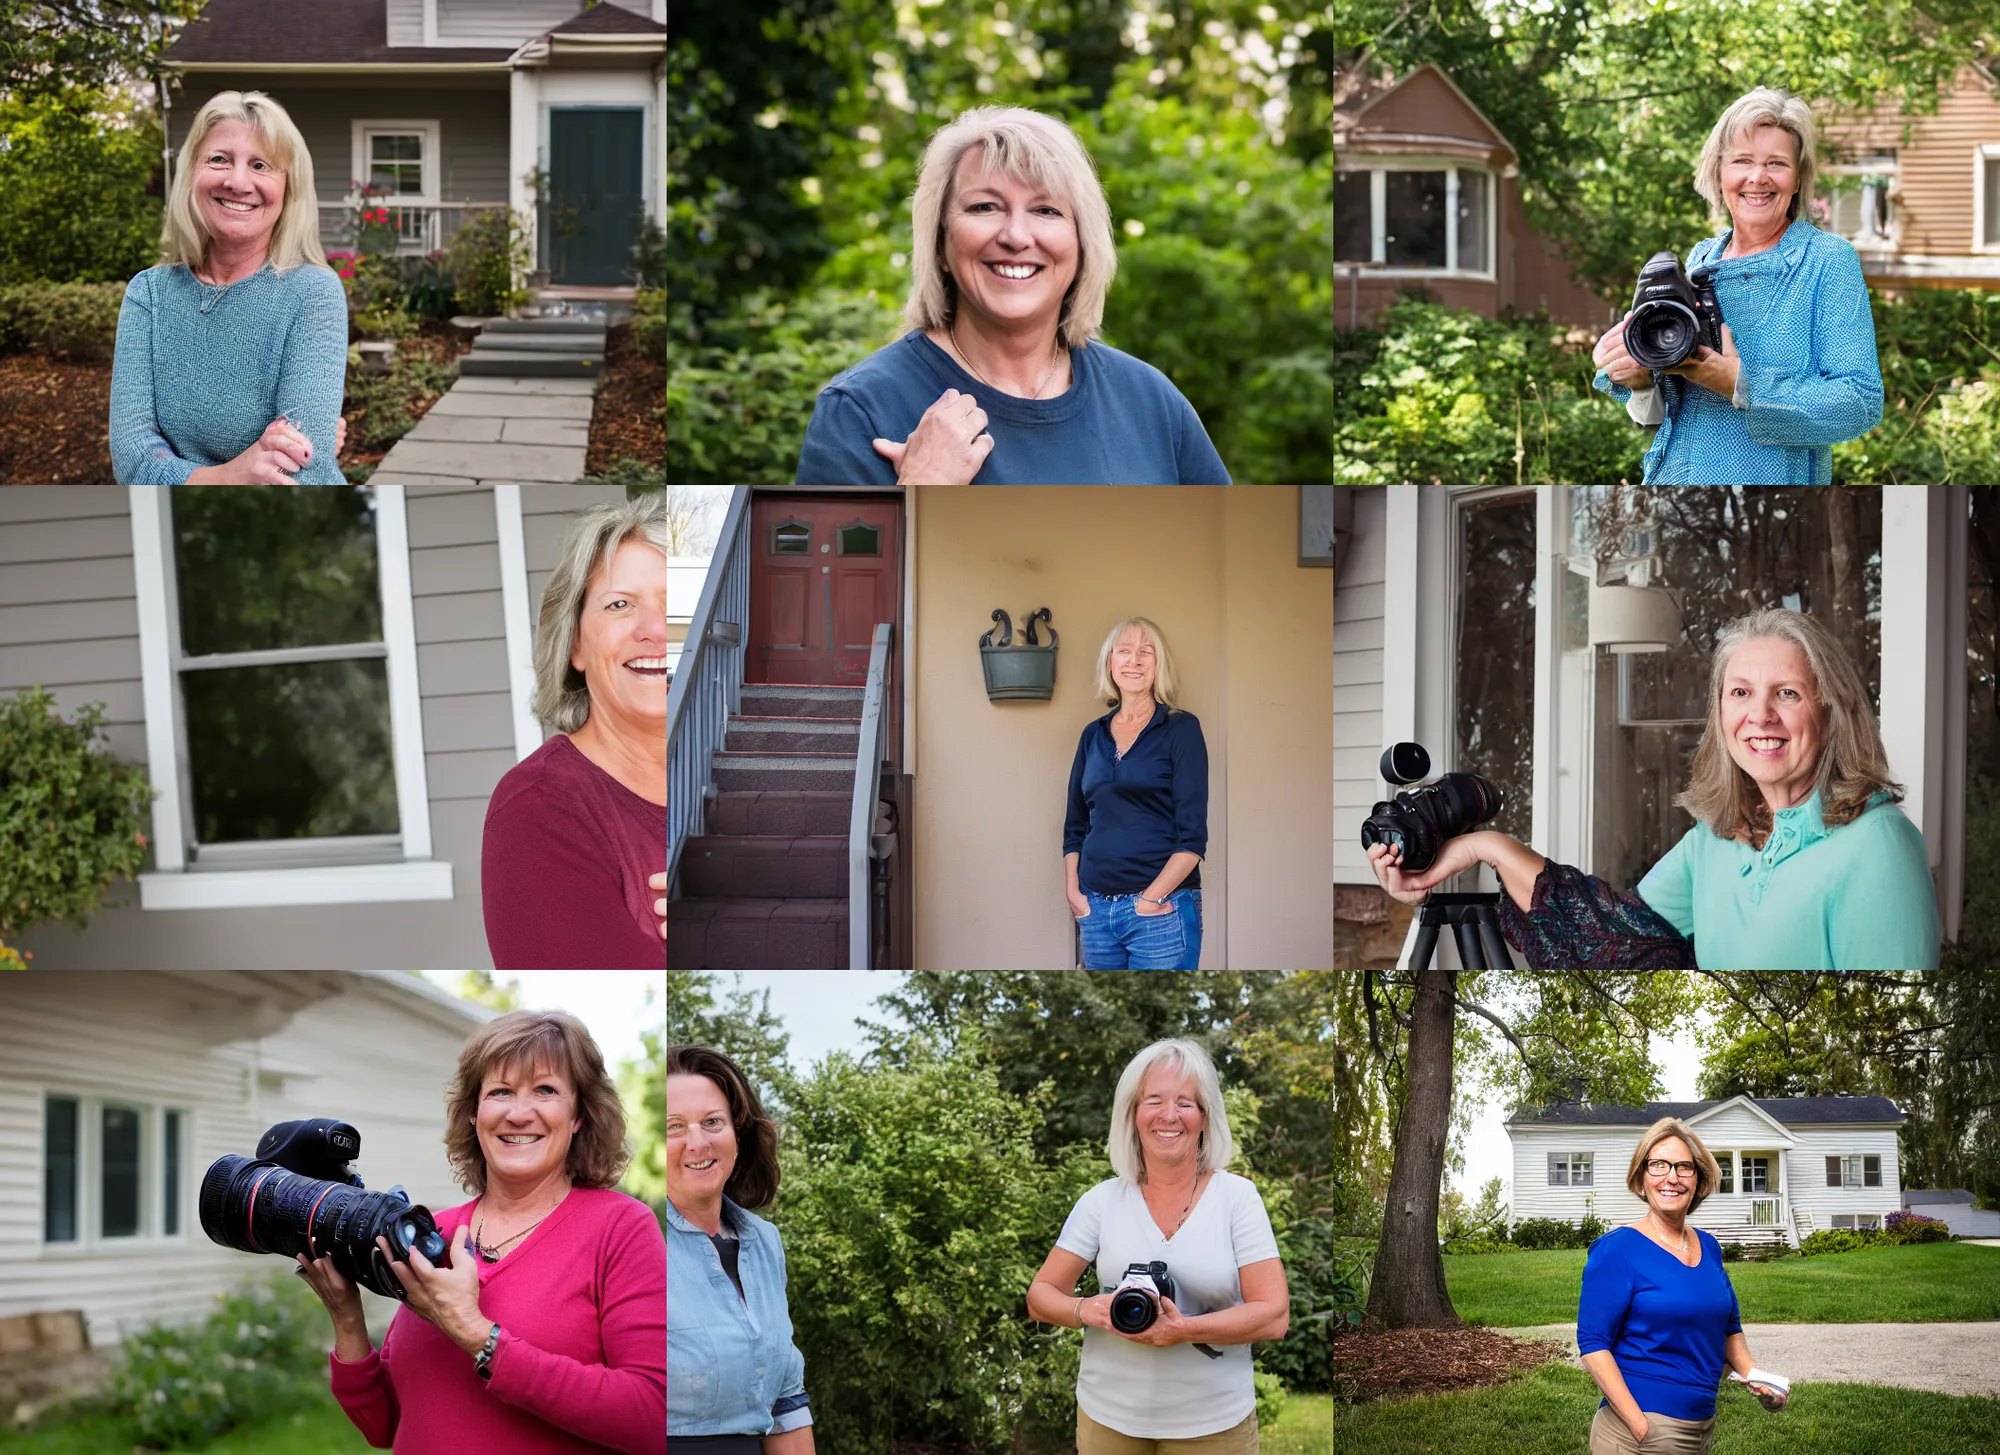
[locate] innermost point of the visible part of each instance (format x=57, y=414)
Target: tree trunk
x=1408, y=1290
x=1843, y=549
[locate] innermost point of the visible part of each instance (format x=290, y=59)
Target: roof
x=610, y=20
x=1790, y=1111
x=1924, y=1197
x=352, y=32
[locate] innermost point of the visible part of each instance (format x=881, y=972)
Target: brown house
x=1427, y=195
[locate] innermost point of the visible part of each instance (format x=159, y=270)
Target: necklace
x=492, y=1254
x=951, y=332
x=1669, y=1246
x=1193, y=1193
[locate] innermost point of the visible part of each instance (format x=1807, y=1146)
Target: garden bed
x=1378, y=1364
x=630, y=422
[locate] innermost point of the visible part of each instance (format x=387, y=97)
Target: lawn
x=1924, y=1283
x=321, y=1430
x=1305, y=1427
x=1548, y=1412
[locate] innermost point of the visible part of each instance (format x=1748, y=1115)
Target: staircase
x=1759, y=1240
x=765, y=886
x=537, y=348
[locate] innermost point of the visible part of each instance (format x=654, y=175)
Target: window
x=1726, y=1161
x=1843, y=1222
x=791, y=538
x=1352, y=227
x=396, y=162
x=1423, y=219
x=1570, y=1169
x=1859, y=1171
x=59, y=1169
x=860, y=540
x=1756, y=1174
x=1986, y=190
x=1868, y=1220
x=118, y=1212
x=1860, y=201
x=113, y=1171
x=170, y=1177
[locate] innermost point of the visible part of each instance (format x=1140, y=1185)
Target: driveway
x=1944, y=1358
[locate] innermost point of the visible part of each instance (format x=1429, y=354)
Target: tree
x=642, y=1086
x=47, y=47
x=744, y=1029
x=477, y=986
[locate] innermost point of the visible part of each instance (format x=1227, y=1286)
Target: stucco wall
x=1251, y=632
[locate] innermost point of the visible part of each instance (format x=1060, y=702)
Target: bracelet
x=1077, y=1313
x=482, y=1362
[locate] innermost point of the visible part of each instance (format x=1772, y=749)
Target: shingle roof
x=1788, y=1111
x=610, y=20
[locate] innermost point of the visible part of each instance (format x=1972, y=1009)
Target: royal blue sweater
x=1121, y=422
x=1664, y=1323
x=1128, y=816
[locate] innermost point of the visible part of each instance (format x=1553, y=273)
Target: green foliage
x=1270, y=1397
x=385, y=321
x=75, y=321
x=1838, y=1240
x=1540, y=1234
x=386, y=403
x=1902, y=1227
x=649, y=323
x=744, y=1028
x=637, y=476
x=1459, y=1223
x=70, y=815
x=1303, y=1359
x=649, y=258
x=53, y=47
x=487, y=253
x=643, y=1087
x=1732, y=1252
x=76, y=169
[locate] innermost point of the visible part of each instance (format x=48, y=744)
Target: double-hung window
x=1726, y=1162
x=283, y=726
x=1857, y=1171
x=1571, y=1169
x=114, y=1170
x=399, y=160
x=1415, y=218
x=1756, y=1174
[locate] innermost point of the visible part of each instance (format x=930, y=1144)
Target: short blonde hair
x=1166, y=682
x=562, y=696
x=184, y=236
x=1765, y=106
x=1707, y=1173
x=1216, y=1149
x=1042, y=151
x=513, y=1044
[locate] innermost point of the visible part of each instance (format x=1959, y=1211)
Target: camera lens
x=260, y=1207
x=1133, y=1311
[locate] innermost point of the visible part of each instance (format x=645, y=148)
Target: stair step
x=540, y=343
x=757, y=934
x=780, y=812
x=743, y=866
x=792, y=735
x=769, y=699
x=521, y=364
x=573, y=327
x=733, y=771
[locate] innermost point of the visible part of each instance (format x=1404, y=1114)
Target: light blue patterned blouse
x=1799, y=316
x=200, y=372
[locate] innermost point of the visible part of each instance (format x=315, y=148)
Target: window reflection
x=1496, y=653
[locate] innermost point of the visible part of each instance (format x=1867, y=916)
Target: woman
x=576, y=834
x=1183, y=1385
x=1137, y=824
x=1792, y=301
x=1658, y=1318
x=1011, y=261
x=1799, y=859
x=242, y=321
x=544, y=1333
x=737, y=1381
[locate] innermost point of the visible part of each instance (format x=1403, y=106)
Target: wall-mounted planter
x=1025, y=673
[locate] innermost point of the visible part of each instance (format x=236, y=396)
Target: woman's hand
x=659, y=882
x=1639, y=1430
x=1096, y=1313
x=342, y=1299
x=1165, y=1331
x=1079, y=904
x=947, y=447
x=340, y=437
x=1715, y=372
x=1772, y=1399
x=447, y=1297
x=1610, y=356
x=1386, y=860
x=1139, y=908
x=280, y=452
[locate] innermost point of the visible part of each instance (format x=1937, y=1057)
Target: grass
x=1921, y=1284
x=320, y=1430
x=1305, y=1427
x=1548, y=1412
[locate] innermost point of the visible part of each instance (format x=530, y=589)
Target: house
x=1795, y=1165
x=1954, y=1209
x=324, y=730
x=1427, y=195
x=452, y=107
x=122, y=1088
x=1489, y=624
x=1919, y=196
x=843, y=791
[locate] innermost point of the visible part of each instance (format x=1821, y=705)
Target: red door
x=823, y=572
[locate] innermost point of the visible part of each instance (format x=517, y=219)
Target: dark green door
x=596, y=199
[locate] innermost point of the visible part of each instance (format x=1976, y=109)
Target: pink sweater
x=582, y=1363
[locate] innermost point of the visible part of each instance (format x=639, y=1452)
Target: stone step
x=757, y=934
x=544, y=343
x=792, y=735
x=775, y=699
x=780, y=812
x=521, y=363
x=545, y=326
x=732, y=771
x=735, y=866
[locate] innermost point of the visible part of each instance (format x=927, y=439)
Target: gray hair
x=562, y=698
x=1765, y=106
x=1217, y=1147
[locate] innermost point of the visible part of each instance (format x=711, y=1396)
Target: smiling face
x=1011, y=248
x=701, y=1141
x=621, y=638
x=1673, y=1192
x=1771, y=718
x=1169, y=1117
x=238, y=187
x=525, y=1122
x=1759, y=176
x=1133, y=663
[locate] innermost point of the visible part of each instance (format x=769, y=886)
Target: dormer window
x=1415, y=218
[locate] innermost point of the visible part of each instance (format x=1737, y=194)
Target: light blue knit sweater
x=200, y=372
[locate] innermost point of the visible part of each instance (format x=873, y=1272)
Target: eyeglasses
x=1660, y=1167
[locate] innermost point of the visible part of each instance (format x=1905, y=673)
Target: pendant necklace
x=492, y=1254
x=951, y=332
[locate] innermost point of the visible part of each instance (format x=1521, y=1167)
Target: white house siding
x=1357, y=683
x=1805, y=1168
x=347, y=1046
x=510, y=22
x=406, y=22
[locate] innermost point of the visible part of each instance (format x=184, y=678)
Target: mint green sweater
x=1857, y=897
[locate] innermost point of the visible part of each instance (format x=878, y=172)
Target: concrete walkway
x=1944, y=1358
x=494, y=430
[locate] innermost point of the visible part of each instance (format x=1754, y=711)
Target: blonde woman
x=232, y=351
x=1183, y=1384
x=1798, y=860
x=1658, y=1317
x=1137, y=824
x=1000, y=380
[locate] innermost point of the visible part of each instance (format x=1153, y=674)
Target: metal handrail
x=869, y=753
x=707, y=686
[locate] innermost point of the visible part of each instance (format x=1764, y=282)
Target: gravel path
x=1945, y=1358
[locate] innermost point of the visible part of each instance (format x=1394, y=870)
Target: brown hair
x=515, y=1041
x=753, y=1182
x=1707, y=1173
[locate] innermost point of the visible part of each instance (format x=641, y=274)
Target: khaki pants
x=1095, y=1439
x=1665, y=1435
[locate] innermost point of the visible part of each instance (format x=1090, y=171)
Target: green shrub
x=1546, y=1233
x=637, y=476
x=483, y=258
x=649, y=323
x=1839, y=1240
x=1271, y=1396
x=1479, y=1247
x=1353, y=1262
x=1901, y=1228
x=73, y=321
x=1732, y=1252
x=649, y=258
x=386, y=403
x=1303, y=1359
x=75, y=173
x=71, y=816
x=385, y=321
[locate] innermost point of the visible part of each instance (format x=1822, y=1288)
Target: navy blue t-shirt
x=1664, y=1322
x=1128, y=816
x=1121, y=422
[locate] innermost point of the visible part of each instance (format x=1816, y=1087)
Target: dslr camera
x=1672, y=313
x=1420, y=821
x=1135, y=1302
x=298, y=1195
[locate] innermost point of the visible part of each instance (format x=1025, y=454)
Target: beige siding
x=510, y=22
x=1357, y=682
x=1935, y=163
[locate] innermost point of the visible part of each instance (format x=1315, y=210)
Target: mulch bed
x=55, y=422
x=1399, y=1364
x=628, y=422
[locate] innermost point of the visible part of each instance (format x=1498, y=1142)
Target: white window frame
x=280, y=874
x=1378, y=218
x=1887, y=168
x=430, y=130
x=1981, y=155
x=90, y=1240
x=1770, y=1187
x=1868, y=1220
x=1725, y=1185
x=1572, y=1163
x=518, y=613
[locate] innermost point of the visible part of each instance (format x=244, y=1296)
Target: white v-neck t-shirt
x=1177, y=1393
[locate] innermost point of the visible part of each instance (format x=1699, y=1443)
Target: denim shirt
x=732, y=1368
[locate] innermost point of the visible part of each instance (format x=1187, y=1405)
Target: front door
x=591, y=216
x=823, y=572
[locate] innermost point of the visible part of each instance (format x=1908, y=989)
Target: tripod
x=1473, y=919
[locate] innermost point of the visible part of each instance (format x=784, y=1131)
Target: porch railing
x=862, y=847
x=421, y=227
x=708, y=680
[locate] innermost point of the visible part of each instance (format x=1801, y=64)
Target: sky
x=612, y=1003
x=818, y=1007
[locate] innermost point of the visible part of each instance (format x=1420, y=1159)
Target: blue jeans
x=1115, y=937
